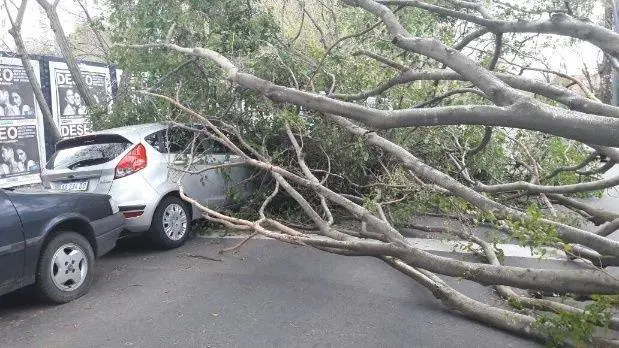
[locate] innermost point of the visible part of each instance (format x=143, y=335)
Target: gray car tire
x=171, y=216
x=66, y=253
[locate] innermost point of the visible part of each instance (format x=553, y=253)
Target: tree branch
x=559, y=24
x=15, y=32
x=482, y=144
x=557, y=93
x=590, y=158
x=532, y=188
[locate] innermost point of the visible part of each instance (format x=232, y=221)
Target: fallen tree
x=503, y=103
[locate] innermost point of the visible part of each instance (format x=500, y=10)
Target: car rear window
x=87, y=151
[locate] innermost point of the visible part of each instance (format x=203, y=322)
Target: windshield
x=87, y=151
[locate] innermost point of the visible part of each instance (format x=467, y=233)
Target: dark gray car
x=52, y=239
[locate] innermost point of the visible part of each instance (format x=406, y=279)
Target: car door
x=235, y=175
x=12, y=243
x=214, y=160
x=189, y=159
x=227, y=170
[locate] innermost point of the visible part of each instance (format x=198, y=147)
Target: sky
x=35, y=28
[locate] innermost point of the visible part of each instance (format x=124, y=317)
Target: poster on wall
x=21, y=127
x=68, y=108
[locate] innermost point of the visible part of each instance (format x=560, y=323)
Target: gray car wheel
x=65, y=269
x=171, y=221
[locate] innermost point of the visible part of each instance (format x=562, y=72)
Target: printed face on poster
x=68, y=108
x=21, y=127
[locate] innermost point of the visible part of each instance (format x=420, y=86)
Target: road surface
x=268, y=295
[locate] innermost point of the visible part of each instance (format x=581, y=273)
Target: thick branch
x=15, y=32
x=504, y=291
x=559, y=24
x=498, y=43
x=599, y=216
x=532, y=188
x=571, y=281
x=600, y=170
x=554, y=92
x=526, y=115
x=377, y=117
x=493, y=316
x=496, y=90
x=67, y=53
x=609, y=228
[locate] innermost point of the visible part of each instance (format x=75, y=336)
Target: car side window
x=210, y=146
x=176, y=140
x=155, y=140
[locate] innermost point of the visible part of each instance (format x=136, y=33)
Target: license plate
x=74, y=186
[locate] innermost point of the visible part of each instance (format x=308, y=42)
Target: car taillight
x=133, y=162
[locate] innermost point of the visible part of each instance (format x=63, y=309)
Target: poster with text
x=21, y=126
x=70, y=112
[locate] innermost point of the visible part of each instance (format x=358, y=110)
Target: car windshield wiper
x=86, y=162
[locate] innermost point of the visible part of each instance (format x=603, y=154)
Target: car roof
x=134, y=133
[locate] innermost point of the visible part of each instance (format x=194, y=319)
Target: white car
x=140, y=167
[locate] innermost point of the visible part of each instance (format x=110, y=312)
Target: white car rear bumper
x=137, y=200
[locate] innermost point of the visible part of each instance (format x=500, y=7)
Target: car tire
x=171, y=221
x=71, y=254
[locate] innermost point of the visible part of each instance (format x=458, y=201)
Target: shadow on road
x=21, y=299
x=25, y=299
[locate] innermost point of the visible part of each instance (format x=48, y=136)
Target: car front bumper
x=107, y=231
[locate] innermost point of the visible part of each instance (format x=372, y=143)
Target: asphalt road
x=269, y=294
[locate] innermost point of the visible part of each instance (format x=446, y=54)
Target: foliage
x=576, y=327
x=232, y=28
x=533, y=233
x=261, y=38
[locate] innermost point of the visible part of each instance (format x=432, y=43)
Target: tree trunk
x=15, y=31
x=67, y=52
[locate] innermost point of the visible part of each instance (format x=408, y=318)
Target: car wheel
x=66, y=267
x=170, y=226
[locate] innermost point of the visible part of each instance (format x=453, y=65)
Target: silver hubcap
x=174, y=221
x=69, y=267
